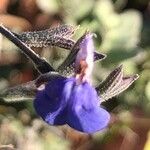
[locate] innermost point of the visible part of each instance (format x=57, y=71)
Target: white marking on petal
x=41, y=87
x=85, y=59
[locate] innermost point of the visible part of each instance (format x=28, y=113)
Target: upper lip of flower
x=85, y=58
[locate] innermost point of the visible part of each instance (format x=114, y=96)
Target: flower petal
x=84, y=113
x=50, y=103
x=48, y=109
x=54, y=88
x=89, y=121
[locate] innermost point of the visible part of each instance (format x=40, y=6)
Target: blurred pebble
x=7, y=147
x=25, y=116
x=37, y=124
x=4, y=5
x=3, y=83
x=28, y=9
x=49, y=7
x=14, y=22
x=8, y=58
x=7, y=110
x=42, y=21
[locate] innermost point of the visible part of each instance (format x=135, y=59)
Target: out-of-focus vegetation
x=122, y=28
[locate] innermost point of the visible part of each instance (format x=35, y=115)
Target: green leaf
x=73, y=11
x=19, y=93
x=119, y=31
x=27, y=91
x=113, y=79
x=114, y=84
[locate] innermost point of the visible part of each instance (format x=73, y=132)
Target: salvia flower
x=74, y=101
x=61, y=100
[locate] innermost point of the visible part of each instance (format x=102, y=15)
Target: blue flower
x=74, y=101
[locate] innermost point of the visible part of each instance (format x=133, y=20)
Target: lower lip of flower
x=76, y=105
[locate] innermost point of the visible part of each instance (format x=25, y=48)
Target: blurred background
x=123, y=33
